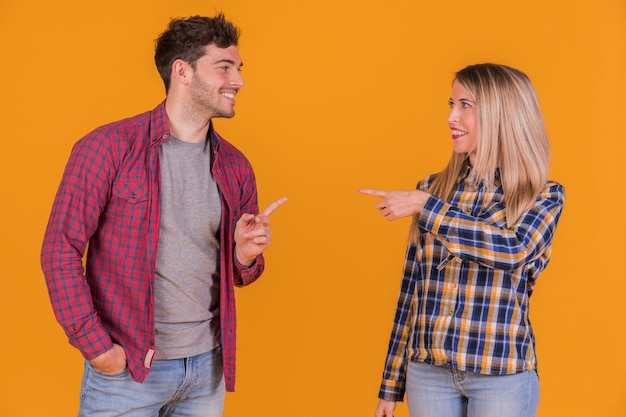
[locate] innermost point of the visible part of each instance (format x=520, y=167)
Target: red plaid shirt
x=109, y=198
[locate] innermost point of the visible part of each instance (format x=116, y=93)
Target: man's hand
x=398, y=204
x=111, y=362
x=253, y=235
x=385, y=408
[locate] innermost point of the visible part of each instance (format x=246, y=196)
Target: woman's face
x=462, y=121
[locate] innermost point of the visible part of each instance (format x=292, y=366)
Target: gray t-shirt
x=186, y=288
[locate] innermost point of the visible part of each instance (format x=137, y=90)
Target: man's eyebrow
x=227, y=61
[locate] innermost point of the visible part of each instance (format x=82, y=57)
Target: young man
x=168, y=210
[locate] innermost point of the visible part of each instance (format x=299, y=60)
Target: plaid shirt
x=464, y=297
x=109, y=198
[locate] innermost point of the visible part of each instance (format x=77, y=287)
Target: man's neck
x=185, y=124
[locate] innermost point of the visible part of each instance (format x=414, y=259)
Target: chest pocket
x=130, y=192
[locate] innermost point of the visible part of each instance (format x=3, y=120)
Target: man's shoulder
x=132, y=123
x=131, y=129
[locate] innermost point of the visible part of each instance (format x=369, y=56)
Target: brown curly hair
x=186, y=39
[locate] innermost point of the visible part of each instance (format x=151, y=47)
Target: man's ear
x=181, y=72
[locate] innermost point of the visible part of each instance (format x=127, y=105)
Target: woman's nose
x=452, y=116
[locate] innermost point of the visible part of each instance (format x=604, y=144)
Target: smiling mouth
x=230, y=96
x=456, y=133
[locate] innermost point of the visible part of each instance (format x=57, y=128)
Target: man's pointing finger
x=270, y=209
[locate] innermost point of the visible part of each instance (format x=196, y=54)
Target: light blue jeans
x=189, y=387
x=436, y=391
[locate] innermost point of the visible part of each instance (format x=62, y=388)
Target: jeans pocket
x=124, y=373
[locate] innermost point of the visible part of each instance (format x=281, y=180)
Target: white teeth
x=456, y=132
x=229, y=95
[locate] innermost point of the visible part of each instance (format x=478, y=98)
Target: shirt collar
x=159, y=125
x=467, y=174
x=466, y=170
x=160, y=128
x=214, y=138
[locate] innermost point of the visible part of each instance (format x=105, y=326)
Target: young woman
x=462, y=343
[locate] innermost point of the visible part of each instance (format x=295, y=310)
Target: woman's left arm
x=476, y=239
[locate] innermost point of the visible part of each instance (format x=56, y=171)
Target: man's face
x=216, y=81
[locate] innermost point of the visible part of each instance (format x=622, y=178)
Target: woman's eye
x=466, y=105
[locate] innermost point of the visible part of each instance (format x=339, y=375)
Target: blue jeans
x=436, y=391
x=189, y=387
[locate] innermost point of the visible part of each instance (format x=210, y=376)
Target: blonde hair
x=510, y=135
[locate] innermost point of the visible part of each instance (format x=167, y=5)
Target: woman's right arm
x=394, y=375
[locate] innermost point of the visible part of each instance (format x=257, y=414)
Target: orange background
x=339, y=95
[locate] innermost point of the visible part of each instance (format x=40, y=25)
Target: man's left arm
x=253, y=236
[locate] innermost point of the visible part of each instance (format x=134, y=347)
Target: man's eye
x=450, y=104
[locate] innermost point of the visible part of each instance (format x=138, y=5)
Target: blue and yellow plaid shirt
x=464, y=298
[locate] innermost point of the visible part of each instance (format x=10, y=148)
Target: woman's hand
x=385, y=408
x=397, y=204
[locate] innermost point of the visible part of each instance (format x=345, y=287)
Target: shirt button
x=468, y=210
x=450, y=312
x=133, y=196
x=457, y=259
x=164, y=136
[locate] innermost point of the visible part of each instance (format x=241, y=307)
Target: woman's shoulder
x=553, y=190
x=554, y=186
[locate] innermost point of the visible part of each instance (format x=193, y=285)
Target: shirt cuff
x=242, y=267
x=391, y=390
x=432, y=216
x=245, y=275
x=93, y=343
